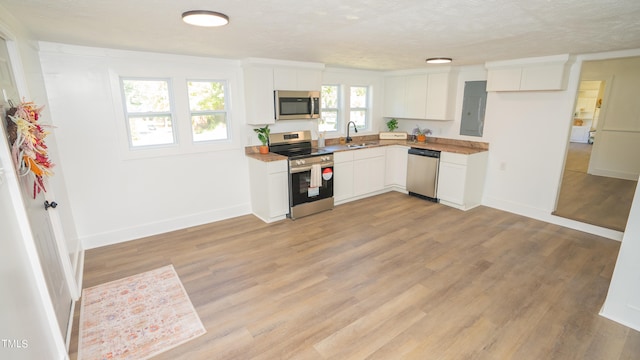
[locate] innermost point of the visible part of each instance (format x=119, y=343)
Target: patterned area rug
x=136, y=317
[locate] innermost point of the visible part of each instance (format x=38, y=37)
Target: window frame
x=226, y=111
x=338, y=109
x=367, y=109
x=127, y=114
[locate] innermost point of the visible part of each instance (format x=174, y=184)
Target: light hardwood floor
x=596, y=200
x=387, y=277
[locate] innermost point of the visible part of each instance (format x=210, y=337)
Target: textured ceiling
x=368, y=34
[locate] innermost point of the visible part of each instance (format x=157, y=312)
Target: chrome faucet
x=349, y=139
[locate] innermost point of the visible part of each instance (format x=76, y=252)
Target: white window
x=148, y=112
x=330, y=108
x=359, y=106
x=208, y=107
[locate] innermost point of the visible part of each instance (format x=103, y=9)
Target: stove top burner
x=294, y=145
x=301, y=153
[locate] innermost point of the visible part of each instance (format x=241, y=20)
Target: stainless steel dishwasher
x=422, y=173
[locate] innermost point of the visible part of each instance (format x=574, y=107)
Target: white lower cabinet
x=269, y=183
x=461, y=179
x=343, y=176
x=396, y=167
x=368, y=171
x=358, y=173
x=451, y=183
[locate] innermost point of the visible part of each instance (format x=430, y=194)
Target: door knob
x=48, y=204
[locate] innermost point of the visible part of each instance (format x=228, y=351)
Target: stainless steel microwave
x=293, y=105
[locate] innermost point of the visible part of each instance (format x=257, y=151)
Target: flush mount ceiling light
x=438, y=60
x=205, y=18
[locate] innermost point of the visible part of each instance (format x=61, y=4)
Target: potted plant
x=263, y=136
x=392, y=124
x=421, y=134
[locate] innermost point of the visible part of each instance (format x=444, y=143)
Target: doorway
x=601, y=169
x=592, y=199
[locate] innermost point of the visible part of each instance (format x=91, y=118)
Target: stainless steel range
x=310, y=173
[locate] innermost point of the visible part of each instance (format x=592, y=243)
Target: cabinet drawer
x=368, y=153
x=342, y=156
x=276, y=166
x=454, y=158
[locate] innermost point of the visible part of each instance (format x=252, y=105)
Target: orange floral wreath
x=29, y=150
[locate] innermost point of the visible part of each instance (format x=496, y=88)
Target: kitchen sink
x=360, y=145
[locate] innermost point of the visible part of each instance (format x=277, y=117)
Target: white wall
x=527, y=132
x=617, y=145
x=623, y=300
x=117, y=194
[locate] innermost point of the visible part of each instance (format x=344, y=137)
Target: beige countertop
x=432, y=143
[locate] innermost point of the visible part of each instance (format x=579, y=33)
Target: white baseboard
x=546, y=216
x=629, y=324
x=143, y=230
x=359, y=197
x=270, y=220
x=614, y=174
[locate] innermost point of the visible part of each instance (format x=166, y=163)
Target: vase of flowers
x=421, y=133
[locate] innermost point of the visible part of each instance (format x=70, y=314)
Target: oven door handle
x=300, y=169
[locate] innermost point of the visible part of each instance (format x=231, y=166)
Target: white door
x=51, y=251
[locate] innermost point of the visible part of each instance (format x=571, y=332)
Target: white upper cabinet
x=439, y=97
x=534, y=74
x=416, y=96
x=263, y=76
x=394, y=96
x=258, y=86
x=419, y=96
x=297, y=79
x=504, y=79
x=543, y=77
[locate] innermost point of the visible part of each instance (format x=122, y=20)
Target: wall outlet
x=503, y=166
